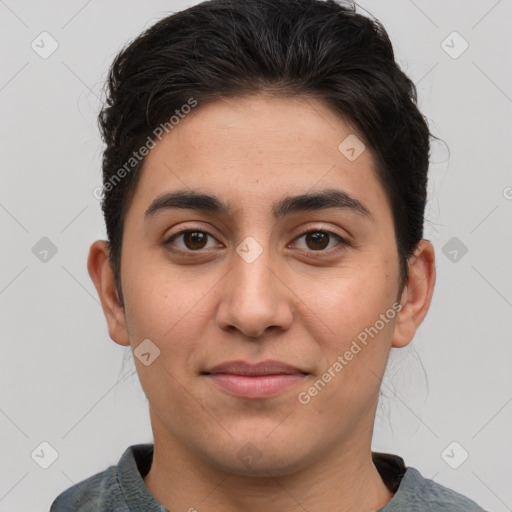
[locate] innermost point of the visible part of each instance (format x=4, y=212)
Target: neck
x=345, y=480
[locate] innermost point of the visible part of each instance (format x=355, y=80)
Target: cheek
x=355, y=346
x=349, y=303
x=150, y=308
x=168, y=306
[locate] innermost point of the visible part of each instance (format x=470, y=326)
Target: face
x=260, y=276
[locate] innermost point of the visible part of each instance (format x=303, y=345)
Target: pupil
x=192, y=238
x=318, y=237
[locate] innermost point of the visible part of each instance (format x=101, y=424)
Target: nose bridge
x=251, y=268
x=253, y=299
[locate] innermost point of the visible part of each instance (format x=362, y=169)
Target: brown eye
x=195, y=239
x=190, y=240
x=319, y=241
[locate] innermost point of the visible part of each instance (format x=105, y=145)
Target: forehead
x=255, y=149
x=279, y=129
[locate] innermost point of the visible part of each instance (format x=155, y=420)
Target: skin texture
x=206, y=307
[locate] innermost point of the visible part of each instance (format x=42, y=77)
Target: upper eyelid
x=320, y=229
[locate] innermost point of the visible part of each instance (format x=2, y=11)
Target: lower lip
x=262, y=386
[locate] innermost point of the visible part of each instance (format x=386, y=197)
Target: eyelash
x=342, y=242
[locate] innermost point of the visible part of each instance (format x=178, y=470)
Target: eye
x=320, y=240
x=195, y=240
x=191, y=240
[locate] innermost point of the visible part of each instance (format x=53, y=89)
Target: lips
x=255, y=370
x=261, y=380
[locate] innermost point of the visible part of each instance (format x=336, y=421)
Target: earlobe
x=102, y=276
x=417, y=294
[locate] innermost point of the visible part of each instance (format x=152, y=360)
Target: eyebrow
x=324, y=199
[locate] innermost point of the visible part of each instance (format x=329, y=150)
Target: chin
x=262, y=458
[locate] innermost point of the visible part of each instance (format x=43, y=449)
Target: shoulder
x=109, y=489
x=419, y=493
x=85, y=495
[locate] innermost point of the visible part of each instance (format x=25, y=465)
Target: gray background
x=62, y=378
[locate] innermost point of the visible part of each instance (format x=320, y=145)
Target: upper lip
x=268, y=367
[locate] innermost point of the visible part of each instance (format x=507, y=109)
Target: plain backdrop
x=446, y=397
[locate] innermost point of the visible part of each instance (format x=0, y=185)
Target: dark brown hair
x=223, y=48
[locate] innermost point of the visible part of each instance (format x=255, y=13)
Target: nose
x=255, y=298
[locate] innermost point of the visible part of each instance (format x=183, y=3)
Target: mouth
x=254, y=381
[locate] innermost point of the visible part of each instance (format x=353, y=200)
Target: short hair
x=228, y=48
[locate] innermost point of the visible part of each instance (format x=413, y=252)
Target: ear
x=417, y=294
x=102, y=276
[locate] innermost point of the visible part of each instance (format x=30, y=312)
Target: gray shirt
x=121, y=488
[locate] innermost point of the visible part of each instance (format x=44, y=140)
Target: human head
x=272, y=89
x=227, y=48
